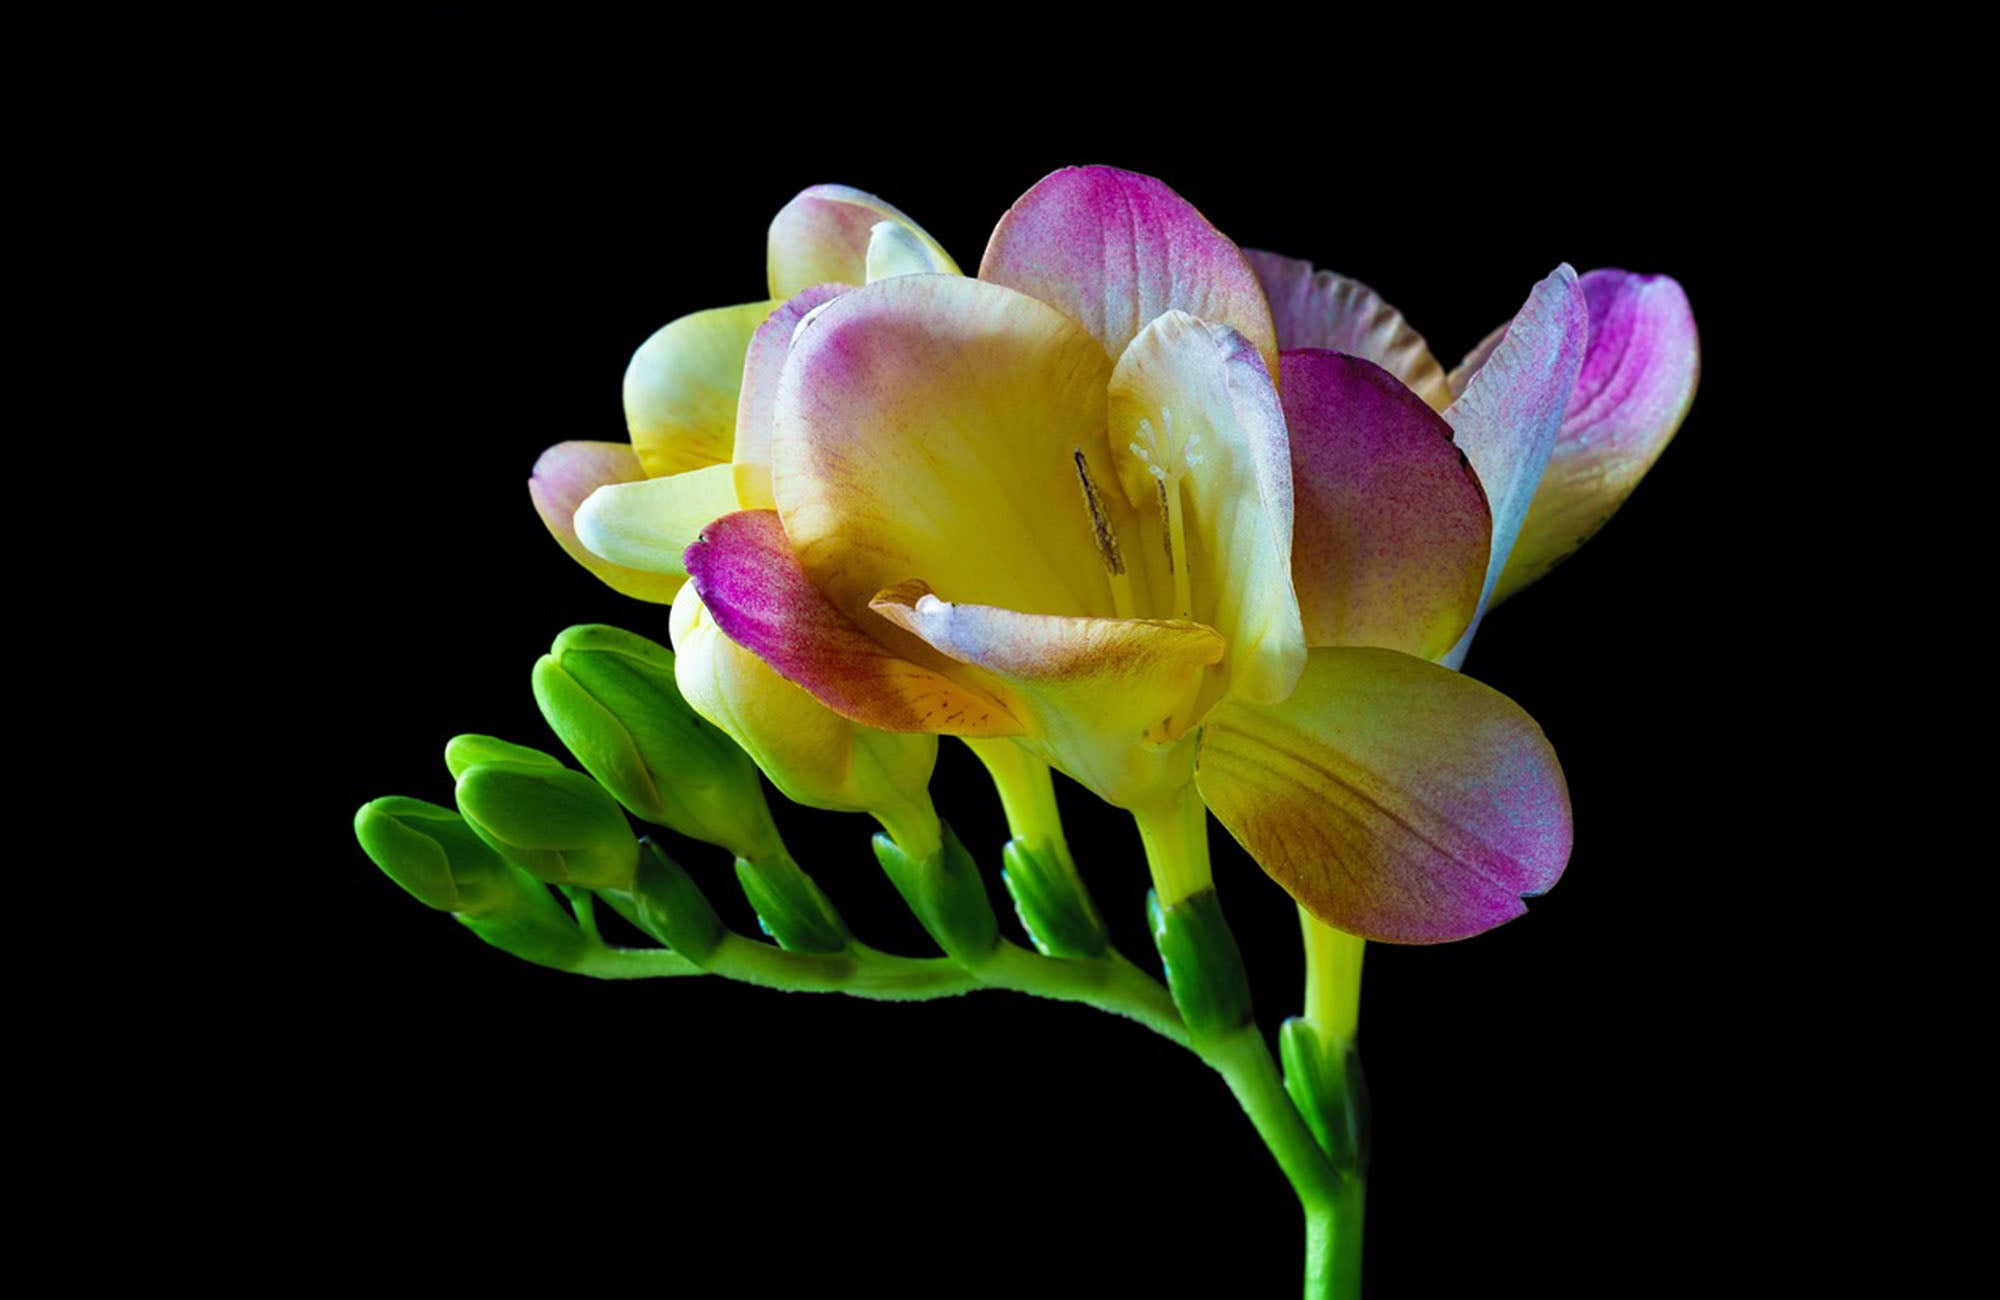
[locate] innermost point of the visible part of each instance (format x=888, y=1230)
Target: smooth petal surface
x=812, y=754
x=647, y=525
x=1114, y=249
x=1507, y=420
x=1390, y=528
x=763, y=364
x=563, y=478
x=1638, y=380
x=1392, y=798
x=927, y=426
x=744, y=570
x=822, y=235
x=1319, y=309
x=1193, y=414
x=680, y=389
x=1100, y=695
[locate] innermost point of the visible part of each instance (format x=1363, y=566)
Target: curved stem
x=607, y=963
x=1111, y=983
x=1245, y=1064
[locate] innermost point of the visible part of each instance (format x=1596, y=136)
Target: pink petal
x=1637, y=382
x=745, y=573
x=1392, y=798
x=762, y=365
x=1391, y=529
x=1507, y=419
x=1318, y=309
x=1113, y=249
x=569, y=472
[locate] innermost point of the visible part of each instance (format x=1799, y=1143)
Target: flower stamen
x=1106, y=539
x=1168, y=462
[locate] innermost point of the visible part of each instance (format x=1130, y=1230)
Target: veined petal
x=1390, y=529
x=744, y=570
x=680, y=389
x=1103, y=698
x=929, y=425
x=763, y=363
x=563, y=478
x=822, y=235
x=1199, y=438
x=1114, y=249
x=812, y=754
x=1319, y=309
x=1392, y=798
x=1506, y=421
x=1638, y=380
x=648, y=524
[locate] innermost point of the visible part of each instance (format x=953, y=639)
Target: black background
x=1572, y=1105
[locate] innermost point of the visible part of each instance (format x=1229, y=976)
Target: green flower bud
x=673, y=909
x=790, y=906
x=436, y=855
x=612, y=698
x=946, y=893
x=461, y=752
x=1203, y=964
x=433, y=854
x=812, y=754
x=1054, y=909
x=556, y=824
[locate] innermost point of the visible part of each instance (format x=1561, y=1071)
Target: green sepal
x=434, y=855
x=946, y=893
x=558, y=825
x=462, y=752
x=546, y=937
x=1204, y=967
x=1054, y=909
x=672, y=907
x=1329, y=1092
x=790, y=906
x=612, y=698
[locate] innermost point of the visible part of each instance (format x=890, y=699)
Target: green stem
x=1245, y=1064
x=1333, y=1244
x=1027, y=793
x=1110, y=984
x=606, y=963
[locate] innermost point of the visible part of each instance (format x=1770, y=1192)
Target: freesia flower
x=1636, y=383
x=1080, y=502
x=700, y=431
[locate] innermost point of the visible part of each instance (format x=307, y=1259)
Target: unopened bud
x=611, y=695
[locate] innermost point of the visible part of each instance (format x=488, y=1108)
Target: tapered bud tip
x=462, y=752
x=613, y=698
x=557, y=825
x=432, y=854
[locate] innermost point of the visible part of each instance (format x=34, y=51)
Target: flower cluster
x=1199, y=527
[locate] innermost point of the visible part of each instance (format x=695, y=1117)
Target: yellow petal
x=647, y=525
x=680, y=390
x=1104, y=699
x=822, y=236
x=928, y=426
x=1204, y=461
x=564, y=478
x=812, y=754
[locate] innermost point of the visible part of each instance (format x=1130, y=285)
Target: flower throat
x=1167, y=459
